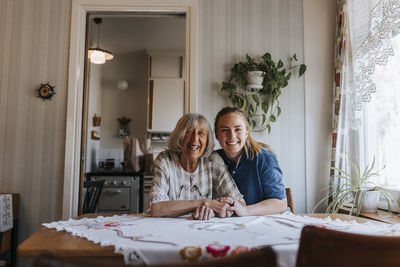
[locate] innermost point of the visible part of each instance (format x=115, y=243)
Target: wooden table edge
x=88, y=248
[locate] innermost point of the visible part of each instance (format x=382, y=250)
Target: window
x=381, y=121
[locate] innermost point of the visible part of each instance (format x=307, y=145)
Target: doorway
x=80, y=10
x=148, y=49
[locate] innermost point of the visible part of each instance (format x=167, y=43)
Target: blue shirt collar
x=231, y=164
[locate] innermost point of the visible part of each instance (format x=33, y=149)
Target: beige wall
x=34, y=49
x=319, y=39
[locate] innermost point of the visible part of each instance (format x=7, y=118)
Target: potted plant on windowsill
x=358, y=191
x=255, y=86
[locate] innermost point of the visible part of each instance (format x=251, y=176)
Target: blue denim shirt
x=259, y=178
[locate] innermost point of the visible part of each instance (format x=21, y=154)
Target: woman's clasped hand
x=212, y=207
x=223, y=206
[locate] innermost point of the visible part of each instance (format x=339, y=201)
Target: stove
x=121, y=193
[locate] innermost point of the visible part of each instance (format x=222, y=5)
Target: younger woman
x=252, y=165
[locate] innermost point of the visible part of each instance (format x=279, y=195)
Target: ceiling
x=125, y=32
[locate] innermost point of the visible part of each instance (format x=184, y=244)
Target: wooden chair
x=331, y=248
x=92, y=196
x=289, y=199
x=48, y=260
x=264, y=257
x=8, y=239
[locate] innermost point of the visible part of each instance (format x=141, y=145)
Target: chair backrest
x=328, y=248
x=263, y=257
x=93, y=191
x=289, y=199
x=50, y=260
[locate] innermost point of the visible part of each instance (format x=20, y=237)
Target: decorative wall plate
x=46, y=91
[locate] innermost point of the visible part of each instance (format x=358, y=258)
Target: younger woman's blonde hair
x=189, y=121
x=252, y=147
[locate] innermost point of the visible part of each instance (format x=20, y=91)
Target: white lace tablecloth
x=154, y=240
x=6, y=216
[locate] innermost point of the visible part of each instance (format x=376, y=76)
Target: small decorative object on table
x=357, y=191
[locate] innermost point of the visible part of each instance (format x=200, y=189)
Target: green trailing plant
x=262, y=106
x=352, y=187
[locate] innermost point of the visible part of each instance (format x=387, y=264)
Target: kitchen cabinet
x=166, y=65
x=166, y=91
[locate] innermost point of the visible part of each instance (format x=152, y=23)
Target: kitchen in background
x=133, y=103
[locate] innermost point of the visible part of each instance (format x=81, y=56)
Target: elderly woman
x=189, y=176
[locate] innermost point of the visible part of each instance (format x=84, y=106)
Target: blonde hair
x=189, y=121
x=251, y=147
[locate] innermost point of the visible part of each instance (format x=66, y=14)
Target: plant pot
x=370, y=200
x=254, y=80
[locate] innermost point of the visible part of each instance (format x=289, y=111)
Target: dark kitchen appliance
x=121, y=192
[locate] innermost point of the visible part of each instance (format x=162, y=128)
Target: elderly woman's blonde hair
x=189, y=121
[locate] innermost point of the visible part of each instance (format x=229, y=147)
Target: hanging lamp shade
x=96, y=54
x=99, y=56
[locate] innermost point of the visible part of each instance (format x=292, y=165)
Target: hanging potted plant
x=358, y=191
x=254, y=80
x=255, y=86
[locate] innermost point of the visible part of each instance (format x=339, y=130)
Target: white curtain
x=364, y=41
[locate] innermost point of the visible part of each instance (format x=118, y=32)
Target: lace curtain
x=363, y=41
x=371, y=27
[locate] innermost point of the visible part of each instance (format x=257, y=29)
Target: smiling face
x=232, y=134
x=194, y=143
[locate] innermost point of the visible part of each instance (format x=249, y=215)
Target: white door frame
x=80, y=8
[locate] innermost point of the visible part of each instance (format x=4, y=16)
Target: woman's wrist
x=246, y=210
x=241, y=209
x=203, y=202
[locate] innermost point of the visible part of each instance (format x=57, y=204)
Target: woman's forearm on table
x=268, y=206
x=174, y=208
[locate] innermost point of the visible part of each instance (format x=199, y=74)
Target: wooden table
x=62, y=244
x=379, y=215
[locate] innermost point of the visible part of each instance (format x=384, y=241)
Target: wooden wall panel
x=228, y=29
x=34, y=44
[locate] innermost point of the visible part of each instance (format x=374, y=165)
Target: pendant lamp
x=96, y=54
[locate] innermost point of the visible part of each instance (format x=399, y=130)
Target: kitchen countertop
x=115, y=172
